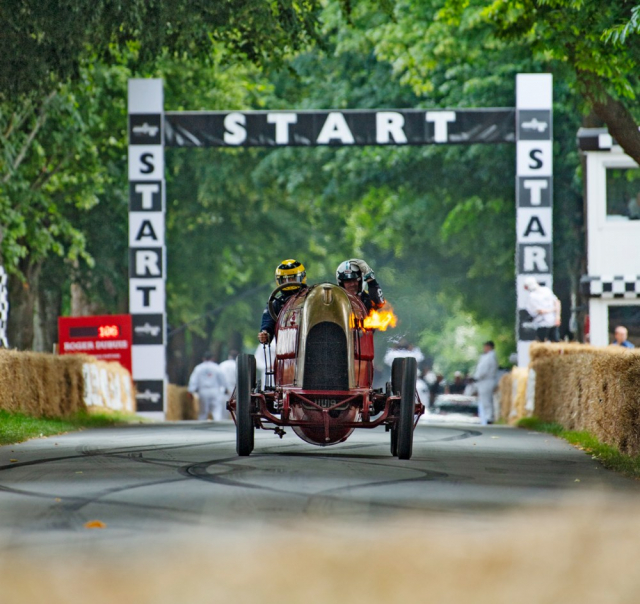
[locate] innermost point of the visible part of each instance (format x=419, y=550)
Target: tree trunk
x=199, y=346
x=81, y=306
x=621, y=124
x=22, y=301
x=48, y=309
x=234, y=342
x=177, y=367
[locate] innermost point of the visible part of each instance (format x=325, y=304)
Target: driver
x=288, y=271
x=352, y=274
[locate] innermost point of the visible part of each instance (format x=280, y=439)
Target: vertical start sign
x=106, y=337
x=534, y=195
x=147, y=253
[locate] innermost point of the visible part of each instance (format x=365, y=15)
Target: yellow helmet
x=290, y=270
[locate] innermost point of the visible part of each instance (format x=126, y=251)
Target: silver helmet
x=348, y=271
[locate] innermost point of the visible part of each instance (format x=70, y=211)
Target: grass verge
x=17, y=427
x=608, y=455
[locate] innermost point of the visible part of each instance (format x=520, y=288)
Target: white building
x=613, y=237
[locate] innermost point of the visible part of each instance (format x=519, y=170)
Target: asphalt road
x=145, y=480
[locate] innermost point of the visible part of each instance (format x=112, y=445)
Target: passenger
x=288, y=271
x=352, y=274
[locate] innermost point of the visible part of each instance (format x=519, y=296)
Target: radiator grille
x=326, y=361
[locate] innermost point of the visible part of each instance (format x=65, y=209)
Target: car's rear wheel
x=407, y=408
x=245, y=374
x=397, y=368
x=394, y=441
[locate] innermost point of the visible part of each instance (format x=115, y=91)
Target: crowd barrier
x=46, y=385
x=581, y=387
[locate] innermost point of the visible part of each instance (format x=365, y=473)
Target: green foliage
x=17, y=427
x=44, y=41
x=618, y=35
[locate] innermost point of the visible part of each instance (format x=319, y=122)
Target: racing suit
x=372, y=299
x=268, y=324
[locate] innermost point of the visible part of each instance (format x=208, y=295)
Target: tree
x=590, y=44
x=46, y=41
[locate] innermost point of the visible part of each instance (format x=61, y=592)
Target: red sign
x=107, y=337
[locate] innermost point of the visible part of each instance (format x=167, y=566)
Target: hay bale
x=519, y=394
x=46, y=385
x=590, y=388
x=107, y=387
x=41, y=384
x=180, y=404
x=505, y=394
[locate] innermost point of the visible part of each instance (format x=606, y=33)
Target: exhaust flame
x=380, y=319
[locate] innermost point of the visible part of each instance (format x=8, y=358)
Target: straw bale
x=590, y=388
x=180, y=404
x=512, y=390
x=107, y=387
x=505, y=393
x=41, y=384
x=539, y=350
x=519, y=394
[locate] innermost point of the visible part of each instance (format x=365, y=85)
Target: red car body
x=322, y=377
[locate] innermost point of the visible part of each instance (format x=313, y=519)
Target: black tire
x=397, y=368
x=245, y=376
x=394, y=441
x=407, y=408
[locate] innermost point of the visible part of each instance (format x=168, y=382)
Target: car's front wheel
x=404, y=423
x=245, y=374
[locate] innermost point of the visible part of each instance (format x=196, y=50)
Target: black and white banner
x=4, y=307
x=339, y=128
x=534, y=195
x=147, y=252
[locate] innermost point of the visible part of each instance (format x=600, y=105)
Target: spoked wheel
x=246, y=377
x=407, y=408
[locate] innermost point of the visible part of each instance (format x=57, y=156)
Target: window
x=626, y=316
x=623, y=194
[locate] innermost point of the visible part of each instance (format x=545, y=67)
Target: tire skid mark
x=463, y=436
x=199, y=472
x=113, y=452
x=75, y=502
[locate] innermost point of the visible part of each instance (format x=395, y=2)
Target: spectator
x=422, y=388
x=544, y=308
x=436, y=386
x=485, y=377
x=207, y=380
x=620, y=336
x=229, y=369
x=458, y=385
x=403, y=349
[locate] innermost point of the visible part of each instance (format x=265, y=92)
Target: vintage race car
x=321, y=382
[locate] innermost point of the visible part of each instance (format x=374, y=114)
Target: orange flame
x=380, y=319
